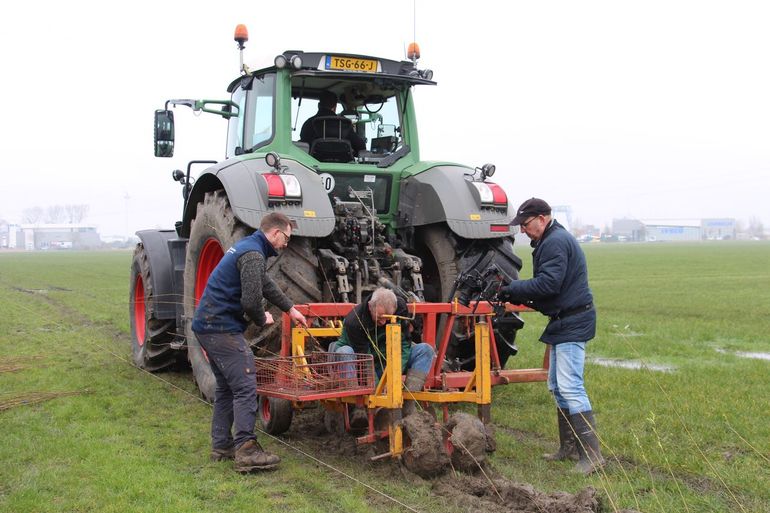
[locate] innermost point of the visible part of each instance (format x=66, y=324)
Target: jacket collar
x=554, y=224
x=268, y=248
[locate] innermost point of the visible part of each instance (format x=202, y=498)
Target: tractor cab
x=327, y=108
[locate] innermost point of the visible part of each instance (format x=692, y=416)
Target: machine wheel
x=150, y=336
x=444, y=257
x=334, y=422
x=424, y=452
x=275, y=414
x=213, y=230
x=467, y=441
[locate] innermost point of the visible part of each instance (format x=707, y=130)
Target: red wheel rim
x=139, y=310
x=211, y=254
x=265, y=408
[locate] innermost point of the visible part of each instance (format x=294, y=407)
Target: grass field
x=694, y=439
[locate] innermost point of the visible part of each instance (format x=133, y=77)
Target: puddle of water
x=744, y=354
x=756, y=356
x=632, y=364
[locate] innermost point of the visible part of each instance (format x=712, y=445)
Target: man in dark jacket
x=559, y=290
x=232, y=299
x=363, y=331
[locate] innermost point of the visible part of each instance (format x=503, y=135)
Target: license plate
x=351, y=64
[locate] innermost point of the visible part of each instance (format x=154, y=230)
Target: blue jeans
x=565, y=377
x=235, y=399
x=420, y=357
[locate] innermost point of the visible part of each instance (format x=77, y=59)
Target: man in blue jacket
x=232, y=299
x=559, y=290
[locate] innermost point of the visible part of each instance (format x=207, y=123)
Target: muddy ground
x=466, y=480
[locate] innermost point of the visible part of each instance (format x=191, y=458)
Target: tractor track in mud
x=485, y=491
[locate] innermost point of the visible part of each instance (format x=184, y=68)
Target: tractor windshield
x=366, y=117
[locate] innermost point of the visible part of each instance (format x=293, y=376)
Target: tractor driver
x=327, y=106
x=363, y=331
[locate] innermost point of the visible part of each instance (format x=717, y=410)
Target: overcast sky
x=654, y=109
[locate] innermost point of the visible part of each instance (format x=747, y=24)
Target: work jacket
x=361, y=332
x=559, y=287
x=220, y=309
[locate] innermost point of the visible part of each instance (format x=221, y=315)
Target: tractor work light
x=427, y=74
x=281, y=188
x=296, y=62
x=487, y=170
x=280, y=61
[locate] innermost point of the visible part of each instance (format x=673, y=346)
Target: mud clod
x=425, y=454
x=470, y=442
x=500, y=495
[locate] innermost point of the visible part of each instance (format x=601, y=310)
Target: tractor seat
x=331, y=143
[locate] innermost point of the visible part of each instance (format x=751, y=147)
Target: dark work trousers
x=235, y=400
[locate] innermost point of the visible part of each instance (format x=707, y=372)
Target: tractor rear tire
x=214, y=230
x=275, y=414
x=446, y=255
x=296, y=272
x=150, y=337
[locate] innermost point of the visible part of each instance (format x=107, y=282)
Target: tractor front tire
x=214, y=230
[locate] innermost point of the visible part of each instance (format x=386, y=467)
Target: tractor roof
x=345, y=67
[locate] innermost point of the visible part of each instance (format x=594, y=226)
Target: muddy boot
x=250, y=456
x=587, y=441
x=222, y=454
x=567, y=444
x=414, y=382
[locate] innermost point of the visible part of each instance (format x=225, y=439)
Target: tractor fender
x=443, y=194
x=156, y=245
x=246, y=189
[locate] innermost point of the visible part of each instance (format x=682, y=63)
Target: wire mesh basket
x=315, y=375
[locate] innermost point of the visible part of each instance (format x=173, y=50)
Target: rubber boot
x=414, y=382
x=588, y=445
x=223, y=454
x=567, y=444
x=251, y=456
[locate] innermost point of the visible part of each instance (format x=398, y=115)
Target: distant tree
x=76, y=213
x=32, y=215
x=55, y=214
x=756, y=228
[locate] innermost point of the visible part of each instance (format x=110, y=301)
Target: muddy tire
x=444, y=257
x=212, y=232
x=274, y=414
x=295, y=271
x=150, y=336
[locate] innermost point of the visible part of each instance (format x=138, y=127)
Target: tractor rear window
x=375, y=116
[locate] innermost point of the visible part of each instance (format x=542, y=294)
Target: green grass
x=696, y=439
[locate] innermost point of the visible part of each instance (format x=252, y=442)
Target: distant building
x=718, y=229
x=59, y=236
x=631, y=229
x=672, y=229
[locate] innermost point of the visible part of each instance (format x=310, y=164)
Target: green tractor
x=365, y=210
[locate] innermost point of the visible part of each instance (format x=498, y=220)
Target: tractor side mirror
x=164, y=133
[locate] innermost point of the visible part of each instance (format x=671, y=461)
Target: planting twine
x=7, y=402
